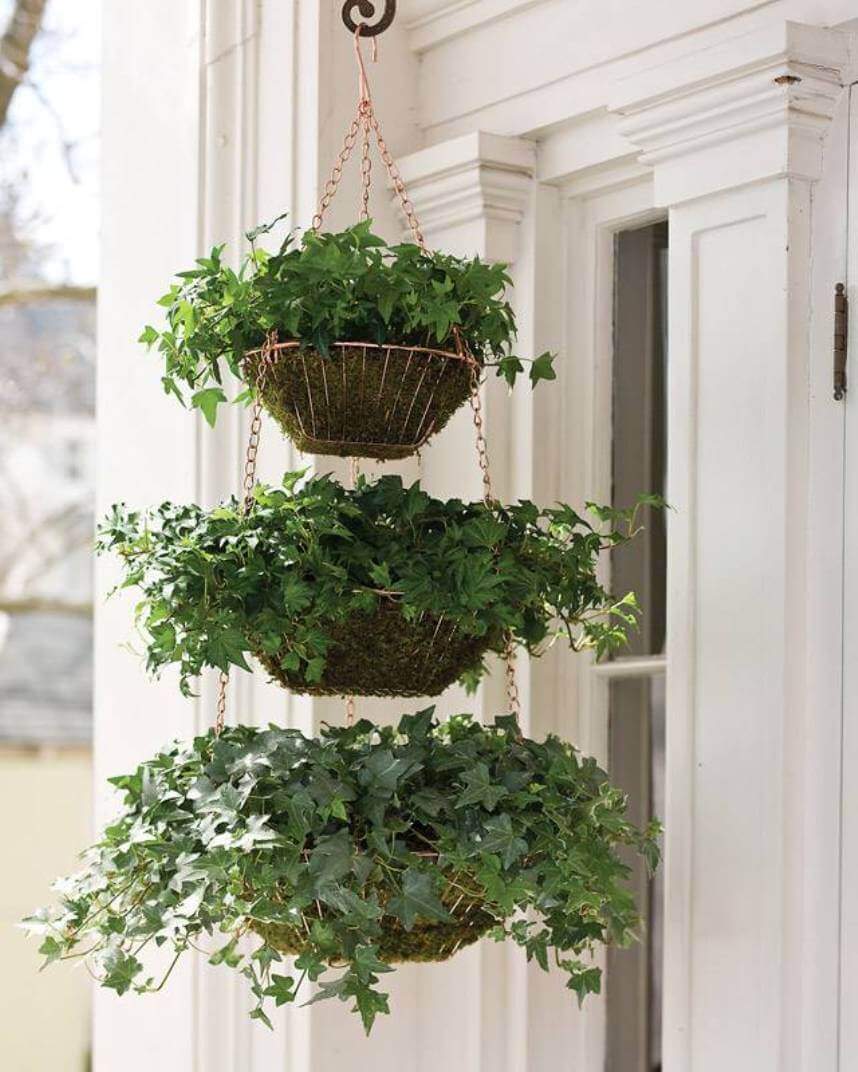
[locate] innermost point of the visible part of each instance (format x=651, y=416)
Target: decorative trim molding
x=477, y=185
x=772, y=92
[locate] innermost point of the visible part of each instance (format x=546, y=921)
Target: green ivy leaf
x=500, y=837
x=282, y=989
x=331, y=859
x=480, y=789
x=418, y=898
x=542, y=368
x=583, y=979
x=207, y=401
x=121, y=970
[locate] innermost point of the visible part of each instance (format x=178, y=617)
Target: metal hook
x=367, y=11
x=364, y=96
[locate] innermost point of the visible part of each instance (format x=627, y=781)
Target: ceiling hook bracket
x=366, y=8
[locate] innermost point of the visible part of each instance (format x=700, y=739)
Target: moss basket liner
x=426, y=941
x=383, y=654
x=363, y=400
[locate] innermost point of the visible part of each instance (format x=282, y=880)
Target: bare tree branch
x=15, y=47
x=24, y=293
x=66, y=145
x=45, y=606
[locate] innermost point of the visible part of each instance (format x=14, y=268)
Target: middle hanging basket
x=376, y=590
x=362, y=399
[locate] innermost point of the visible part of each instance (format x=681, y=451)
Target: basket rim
x=295, y=344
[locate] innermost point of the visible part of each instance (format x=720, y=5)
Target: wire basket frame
x=365, y=400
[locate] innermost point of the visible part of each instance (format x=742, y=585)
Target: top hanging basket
x=357, y=348
x=363, y=399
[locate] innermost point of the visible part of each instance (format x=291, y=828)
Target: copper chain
x=365, y=166
x=512, y=697
x=220, y=708
x=354, y=473
x=337, y=172
x=248, y=484
x=398, y=185
x=480, y=436
x=476, y=401
x=367, y=121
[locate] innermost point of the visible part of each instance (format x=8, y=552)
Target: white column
x=148, y=449
x=471, y=195
x=738, y=137
x=474, y=195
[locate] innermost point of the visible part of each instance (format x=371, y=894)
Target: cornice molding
x=752, y=108
x=430, y=22
x=474, y=190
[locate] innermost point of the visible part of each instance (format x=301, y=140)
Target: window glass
x=637, y=703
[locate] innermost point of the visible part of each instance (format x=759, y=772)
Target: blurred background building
x=48, y=156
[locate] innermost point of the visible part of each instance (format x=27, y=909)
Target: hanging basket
x=383, y=654
x=357, y=849
x=362, y=400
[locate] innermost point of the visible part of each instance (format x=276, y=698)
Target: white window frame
x=593, y=215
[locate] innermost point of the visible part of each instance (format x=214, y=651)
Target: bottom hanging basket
x=355, y=850
x=383, y=654
x=363, y=400
x=426, y=942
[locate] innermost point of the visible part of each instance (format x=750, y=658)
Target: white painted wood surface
x=533, y=130
x=848, y=916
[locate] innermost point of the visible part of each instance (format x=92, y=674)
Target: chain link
x=365, y=165
x=354, y=473
x=512, y=696
x=337, y=171
x=398, y=185
x=480, y=435
x=367, y=121
x=220, y=707
x=248, y=483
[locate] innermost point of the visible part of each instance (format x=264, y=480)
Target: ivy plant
x=322, y=288
x=340, y=849
x=284, y=579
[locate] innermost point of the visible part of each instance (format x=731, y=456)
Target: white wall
x=45, y=801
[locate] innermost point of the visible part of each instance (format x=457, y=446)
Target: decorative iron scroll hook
x=367, y=11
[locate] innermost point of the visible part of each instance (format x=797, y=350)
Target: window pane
x=634, y=977
x=640, y=421
x=636, y=705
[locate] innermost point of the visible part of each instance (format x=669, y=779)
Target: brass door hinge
x=841, y=329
